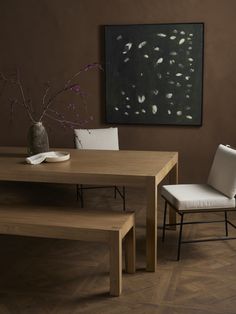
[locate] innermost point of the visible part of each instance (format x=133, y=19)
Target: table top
x=84, y=163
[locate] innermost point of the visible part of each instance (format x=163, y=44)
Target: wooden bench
x=77, y=224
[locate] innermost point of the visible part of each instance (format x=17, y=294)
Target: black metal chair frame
x=181, y=223
x=80, y=195
x=80, y=188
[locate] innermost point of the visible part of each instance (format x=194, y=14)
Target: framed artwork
x=154, y=73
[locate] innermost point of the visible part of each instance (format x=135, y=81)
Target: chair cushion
x=195, y=196
x=222, y=176
x=101, y=139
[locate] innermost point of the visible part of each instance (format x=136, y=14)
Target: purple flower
x=91, y=66
x=76, y=88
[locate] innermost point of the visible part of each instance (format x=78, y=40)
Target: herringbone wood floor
x=42, y=276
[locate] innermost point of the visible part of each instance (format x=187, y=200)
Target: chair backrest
x=101, y=139
x=222, y=176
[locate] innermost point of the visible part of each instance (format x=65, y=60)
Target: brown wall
x=52, y=39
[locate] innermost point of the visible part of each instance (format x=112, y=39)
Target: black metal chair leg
x=164, y=223
x=226, y=224
x=115, y=192
x=180, y=236
x=79, y=194
x=124, y=204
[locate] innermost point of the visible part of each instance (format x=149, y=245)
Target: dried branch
x=48, y=99
x=18, y=82
x=13, y=102
x=73, y=87
x=90, y=66
x=68, y=123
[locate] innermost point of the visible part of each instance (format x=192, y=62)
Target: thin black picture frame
x=121, y=98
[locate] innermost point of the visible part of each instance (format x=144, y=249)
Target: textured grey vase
x=37, y=139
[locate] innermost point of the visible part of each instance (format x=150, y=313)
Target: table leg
x=151, y=224
x=173, y=179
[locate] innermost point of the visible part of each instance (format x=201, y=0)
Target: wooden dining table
x=102, y=167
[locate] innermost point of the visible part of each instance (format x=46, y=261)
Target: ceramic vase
x=37, y=139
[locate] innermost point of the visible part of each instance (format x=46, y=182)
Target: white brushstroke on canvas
x=181, y=65
x=187, y=78
x=155, y=91
x=127, y=48
x=128, y=45
x=157, y=49
x=159, y=75
x=175, y=31
x=182, y=40
x=119, y=37
x=137, y=112
x=173, y=53
x=172, y=37
x=190, y=59
x=141, y=98
x=161, y=35
x=182, y=33
x=146, y=56
x=122, y=93
x=189, y=85
x=192, y=70
x=128, y=106
x=169, y=95
x=159, y=61
x=187, y=96
x=116, y=108
x=143, y=111
x=172, y=61
x=189, y=117
x=133, y=85
x=169, y=112
x=179, y=113
x=126, y=113
x=127, y=98
x=142, y=44
x=171, y=82
x=154, y=109
x=178, y=84
x=126, y=60
x=178, y=74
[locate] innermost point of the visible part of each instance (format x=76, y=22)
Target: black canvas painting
x=154, y=74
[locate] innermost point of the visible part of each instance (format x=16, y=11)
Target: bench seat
x=76, y=224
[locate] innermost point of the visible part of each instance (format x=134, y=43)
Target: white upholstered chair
x=218, y=195
x=100, y=139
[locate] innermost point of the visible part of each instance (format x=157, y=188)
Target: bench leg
x=130, y=251
x=115, y=263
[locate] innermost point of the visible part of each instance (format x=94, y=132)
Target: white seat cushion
x=196, y=196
